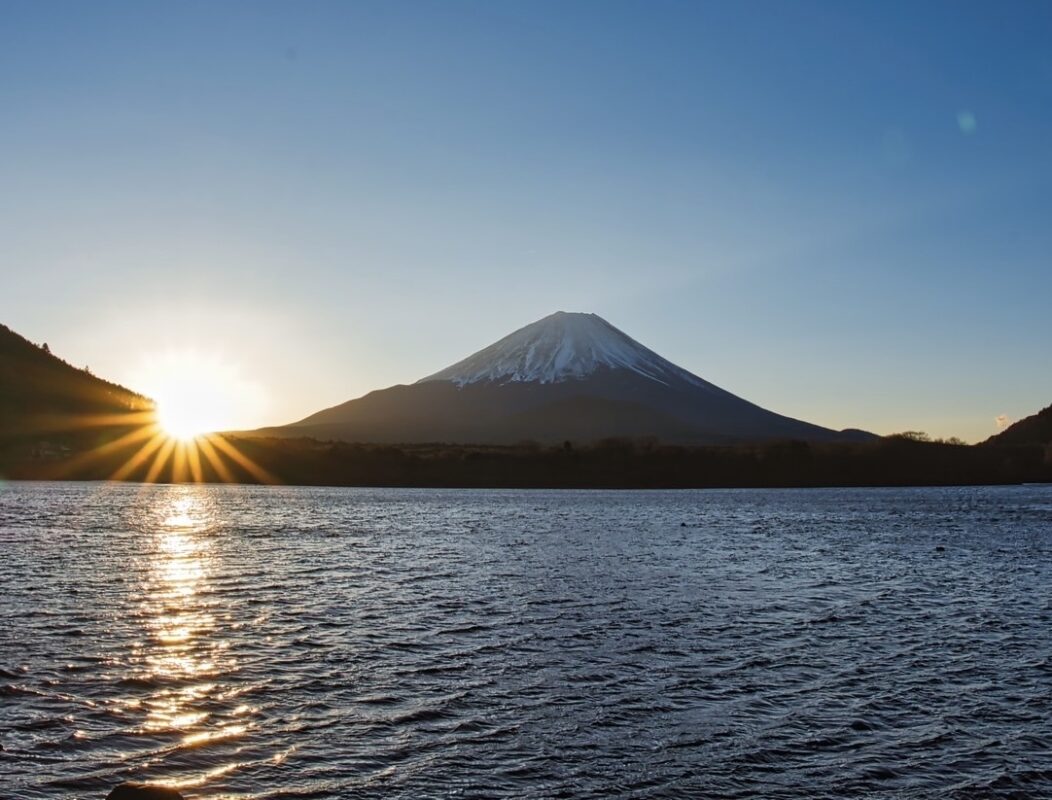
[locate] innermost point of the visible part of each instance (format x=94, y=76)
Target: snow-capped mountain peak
x=563, y=346
x=567, y=377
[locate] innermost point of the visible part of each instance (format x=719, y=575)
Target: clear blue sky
x=841, y=211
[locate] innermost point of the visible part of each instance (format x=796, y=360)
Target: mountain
x=568, y=376
x=1035, y=429
x=42, y=394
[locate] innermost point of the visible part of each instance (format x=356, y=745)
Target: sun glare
x=183, y=418
x=198, y=394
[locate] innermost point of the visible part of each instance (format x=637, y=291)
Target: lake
x=272, y=642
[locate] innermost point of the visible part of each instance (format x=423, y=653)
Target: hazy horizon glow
x=838, y=211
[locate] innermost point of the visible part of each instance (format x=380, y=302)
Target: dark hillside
x=36, y=386
x=1035, y=429
x=49, y=408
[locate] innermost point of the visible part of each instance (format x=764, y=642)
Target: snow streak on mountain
x=562, y=346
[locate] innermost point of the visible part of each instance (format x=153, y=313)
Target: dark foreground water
x=241, y=642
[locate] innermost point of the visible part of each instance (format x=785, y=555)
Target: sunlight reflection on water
x=185, y=643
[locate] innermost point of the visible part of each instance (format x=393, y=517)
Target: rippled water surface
x=295, y=642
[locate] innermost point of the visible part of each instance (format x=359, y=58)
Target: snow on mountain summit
x=562, y=346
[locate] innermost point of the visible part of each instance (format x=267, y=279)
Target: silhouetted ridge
x=35, y=384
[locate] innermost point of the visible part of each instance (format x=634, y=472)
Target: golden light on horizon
x=171, y=433
x=180, y=423
x=154, y=446
x=198, y=393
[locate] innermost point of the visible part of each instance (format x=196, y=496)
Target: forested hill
x=36, y=385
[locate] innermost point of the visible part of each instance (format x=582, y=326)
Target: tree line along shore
x=901, y=460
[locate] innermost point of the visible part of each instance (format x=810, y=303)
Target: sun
x=198, y=394
x=184, y=415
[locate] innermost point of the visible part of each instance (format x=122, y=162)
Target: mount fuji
x=568, y=376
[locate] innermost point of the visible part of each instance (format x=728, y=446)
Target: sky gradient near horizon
x=840, y=211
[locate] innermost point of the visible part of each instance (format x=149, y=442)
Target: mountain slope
x=37, y=389
x=1035, y=429
x=567, y=376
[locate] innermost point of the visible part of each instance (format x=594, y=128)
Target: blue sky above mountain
x=835, y=209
